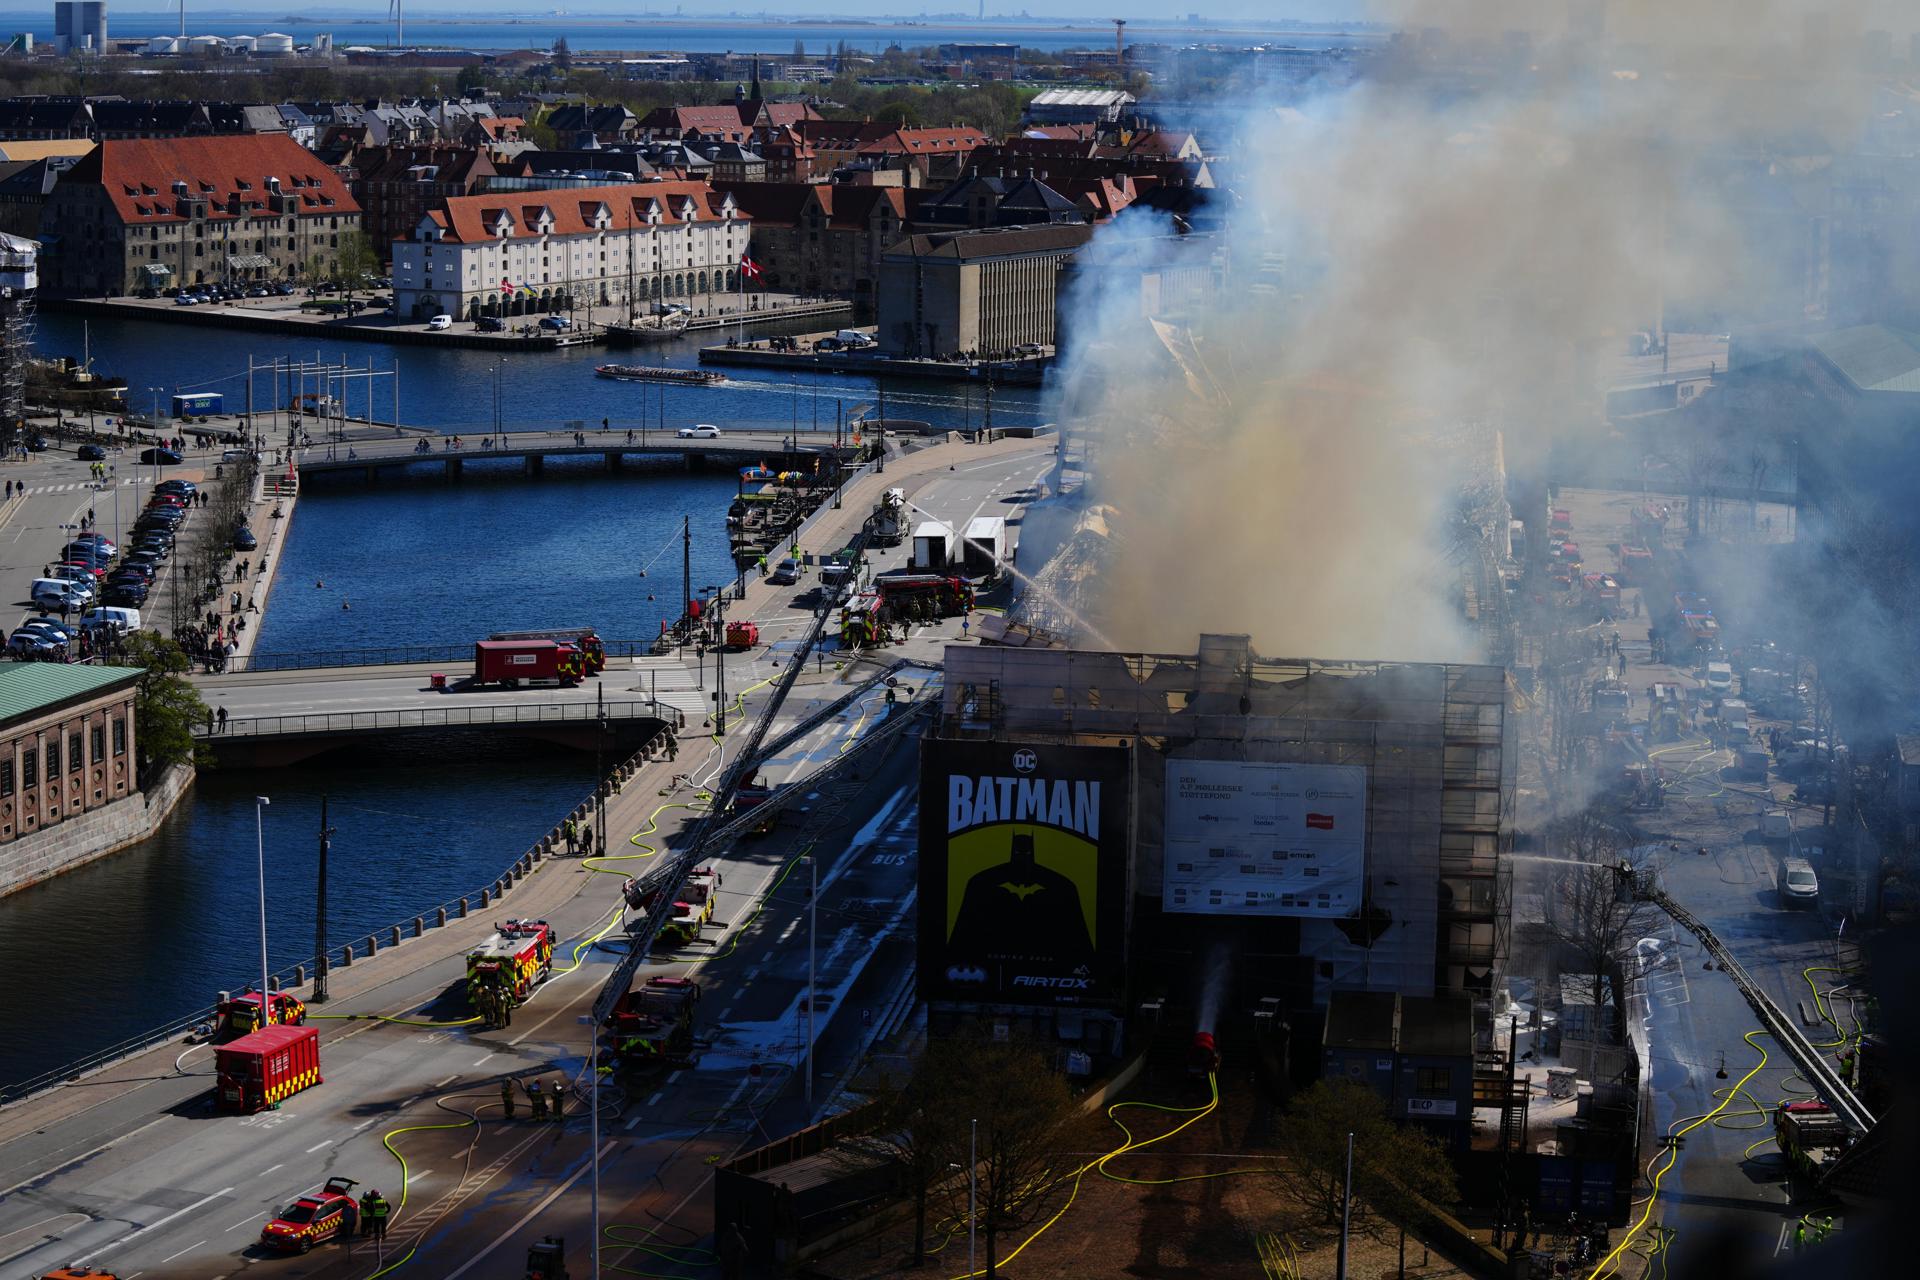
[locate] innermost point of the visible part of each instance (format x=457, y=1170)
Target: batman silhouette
x=1022, y=912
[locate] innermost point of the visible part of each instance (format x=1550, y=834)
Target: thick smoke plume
x=1437, y=253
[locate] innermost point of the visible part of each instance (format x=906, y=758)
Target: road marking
x=88, y=1155
x=535, y=1212
x=244, y=1221
x=111, y=1245
x=676, y=1075
x=449, y=1080
x=631, y=1123
x=189, y=1249
x=484, y=1061
x=265, y=1172
x=364, y=1124
x=316, y=1146
x=654, y=1101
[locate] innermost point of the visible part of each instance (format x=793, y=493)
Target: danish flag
x=748, y=267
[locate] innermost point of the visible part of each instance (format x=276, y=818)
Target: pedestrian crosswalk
x=73, y=487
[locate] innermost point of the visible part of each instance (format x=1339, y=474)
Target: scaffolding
x=1437, y=741
x=19, y=279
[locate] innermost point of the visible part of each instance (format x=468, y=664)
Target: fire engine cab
x=519, y=954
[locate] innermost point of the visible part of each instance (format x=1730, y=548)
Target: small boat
x=649, y=373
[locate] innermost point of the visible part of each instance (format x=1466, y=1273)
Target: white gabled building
x=513, y=253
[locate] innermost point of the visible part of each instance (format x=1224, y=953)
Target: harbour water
x=152, y=933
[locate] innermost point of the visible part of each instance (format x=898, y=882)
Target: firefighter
x=538, y=1097
x=379, y=1209
x=506, y=1098
x=571, y=830
x=559, y=1094
x=366, y=1212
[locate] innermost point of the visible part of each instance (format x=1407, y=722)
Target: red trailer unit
x=262, y=1070
x=513, y=662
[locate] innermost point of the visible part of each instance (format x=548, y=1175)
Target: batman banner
x=1023, y=872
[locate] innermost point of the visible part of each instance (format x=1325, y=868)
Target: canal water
x=149, y=935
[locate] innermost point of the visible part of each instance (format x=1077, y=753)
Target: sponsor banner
x=1023, y=872
x=1252, y=839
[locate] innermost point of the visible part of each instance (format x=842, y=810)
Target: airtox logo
x=1025, y=761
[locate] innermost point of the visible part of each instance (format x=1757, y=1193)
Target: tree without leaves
x=1397, y=1171
x=920, y=1125
x=165, y=706
x=1022, y=1106
x=562, y=55
x=1590, y=914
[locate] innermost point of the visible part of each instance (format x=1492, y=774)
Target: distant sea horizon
x=687, y=35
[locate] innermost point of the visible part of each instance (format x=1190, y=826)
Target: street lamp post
x=973, y=1170
x=260, y=804
x=813, y=912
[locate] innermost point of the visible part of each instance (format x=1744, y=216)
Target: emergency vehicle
x=652, y=1025
x=1811, y=1136
x=592, y=652
x=78, y=1273
x=691, y=910
x=314, y=1219
x=519, y=954
x=240, y=1015
x=742, y=635
x=860, y=621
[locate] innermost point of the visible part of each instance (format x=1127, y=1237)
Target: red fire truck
x=240, y=1015
x=585, y=639
x=652, y=1024
x=692, y=909
x=508, y=964
x=514, y=662
x=259, y=1071
x=742, y=635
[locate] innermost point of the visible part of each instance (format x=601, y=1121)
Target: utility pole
x=602, y=786
x=320, y=993
x=686, y=579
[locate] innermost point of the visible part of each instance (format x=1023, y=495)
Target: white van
x=121, y=620
x=54, y=593
x=1798, y=886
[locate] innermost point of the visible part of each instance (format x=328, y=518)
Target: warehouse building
x=991, y=290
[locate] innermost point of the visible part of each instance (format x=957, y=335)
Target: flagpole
x=740, y=288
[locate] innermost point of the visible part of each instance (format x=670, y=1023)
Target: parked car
x=90, y=453
x=283, y=291
x=48, y=626
x=441, y=321
x=559, y=324
x=157, y=456
x=490, y=324
x=185, y=488
x=243, y=539
x=125, y=594
x=785, y=574
x=700, y=431
x=184, y=299
x=34, y=644
x=55, y=594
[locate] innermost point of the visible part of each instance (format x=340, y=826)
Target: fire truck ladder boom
x=642, y=932
x=835, y=707
x=1812, y=1063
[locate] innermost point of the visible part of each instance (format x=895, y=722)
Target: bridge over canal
x=781, y=450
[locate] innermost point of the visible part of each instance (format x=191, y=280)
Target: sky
x=1082, y=10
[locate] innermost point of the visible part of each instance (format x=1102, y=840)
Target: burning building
x=1098, y=827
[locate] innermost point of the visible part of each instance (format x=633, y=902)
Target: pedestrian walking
x=222, y=713
x=506, y=1097
x=209, y=719
x=586, y=842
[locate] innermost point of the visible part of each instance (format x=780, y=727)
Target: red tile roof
x=470, y=219
x=138, y=175
x=781, y=204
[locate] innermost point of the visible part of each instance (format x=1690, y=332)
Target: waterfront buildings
x=66, y=746
x=516, y=253
x=157, y=214
x=396, y=186
x=814, y=237
x=992, y=290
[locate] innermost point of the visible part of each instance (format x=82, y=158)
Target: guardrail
x=457, y=908
x=397, y=655
x=459, y=717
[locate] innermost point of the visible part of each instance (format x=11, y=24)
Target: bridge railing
x=397, y=655
x=458, y=717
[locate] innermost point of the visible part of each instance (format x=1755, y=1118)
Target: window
x=53, y=760
x=30, y=767
x=74, y=758
x=119, y=735
x=1433, y=1081
x=6, y=778
x=99, y=742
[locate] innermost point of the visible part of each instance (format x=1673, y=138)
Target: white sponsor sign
x=1431, y=1107
x=1247, y=839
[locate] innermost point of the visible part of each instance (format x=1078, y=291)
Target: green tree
x=562, y=55
x=471, y=78
x=358, y=260
x=166, y=707
x=1397, y=1171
